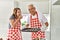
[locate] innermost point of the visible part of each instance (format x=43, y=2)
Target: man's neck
x=34, y=14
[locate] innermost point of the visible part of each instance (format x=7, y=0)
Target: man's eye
x=29, y=9
x=32, y=8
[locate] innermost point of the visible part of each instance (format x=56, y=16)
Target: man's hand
x=46, y=24
x=27, y=25
x=43, y=28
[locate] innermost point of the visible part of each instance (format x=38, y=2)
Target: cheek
x=31, y=11
x=17, y=14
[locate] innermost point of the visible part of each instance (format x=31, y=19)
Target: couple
x=34, y=20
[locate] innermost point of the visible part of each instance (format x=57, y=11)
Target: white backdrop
x=5, y=12
x=41, y=6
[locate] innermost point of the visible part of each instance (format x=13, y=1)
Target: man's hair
x=31, y=5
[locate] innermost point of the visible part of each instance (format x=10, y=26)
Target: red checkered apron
x=35, y=23
x=14, y=33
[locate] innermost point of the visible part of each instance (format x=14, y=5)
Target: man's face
x=32, y=10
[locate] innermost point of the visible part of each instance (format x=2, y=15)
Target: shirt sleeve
x=28, y=19
x=42, y=18
x=12, y=17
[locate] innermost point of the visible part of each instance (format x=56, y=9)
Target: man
x=35, y=20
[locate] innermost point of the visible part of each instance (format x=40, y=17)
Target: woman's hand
x=20, y=17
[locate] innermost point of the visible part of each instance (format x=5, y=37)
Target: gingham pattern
x=14, y=33
x=35, y=23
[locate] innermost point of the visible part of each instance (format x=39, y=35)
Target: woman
x=14, y=32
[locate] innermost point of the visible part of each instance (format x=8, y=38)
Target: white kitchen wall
x=55, y=22
x=31, y=0
x=41, y=6
x=6, y=7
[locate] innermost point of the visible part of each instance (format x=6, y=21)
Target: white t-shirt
x=41, y=18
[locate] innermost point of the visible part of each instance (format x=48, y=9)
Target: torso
x=34, y=22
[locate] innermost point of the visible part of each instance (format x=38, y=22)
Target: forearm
x=15, y=23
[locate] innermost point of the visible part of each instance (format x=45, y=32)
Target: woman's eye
x=18, y=12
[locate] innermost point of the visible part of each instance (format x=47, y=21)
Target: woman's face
x=18, y=13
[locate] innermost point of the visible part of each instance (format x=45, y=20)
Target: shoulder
x=12, y=17
x=40, y=14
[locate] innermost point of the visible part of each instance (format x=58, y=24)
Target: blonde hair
x=31, y=5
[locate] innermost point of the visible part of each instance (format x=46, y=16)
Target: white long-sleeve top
x=41, y=18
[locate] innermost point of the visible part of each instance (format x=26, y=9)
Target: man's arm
x=43, y=19
x=27, y=25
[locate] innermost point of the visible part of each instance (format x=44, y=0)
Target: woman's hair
x=15, y=12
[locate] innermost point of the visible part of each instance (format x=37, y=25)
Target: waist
x=14, y=28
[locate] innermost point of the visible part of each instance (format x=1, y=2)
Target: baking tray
x=30, y=29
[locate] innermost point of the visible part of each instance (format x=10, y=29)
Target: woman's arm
x=13, y=22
